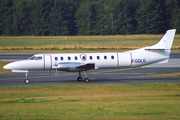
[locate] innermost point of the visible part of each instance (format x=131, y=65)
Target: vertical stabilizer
x=165, y=43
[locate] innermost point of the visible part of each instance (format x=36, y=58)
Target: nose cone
x=8, y=66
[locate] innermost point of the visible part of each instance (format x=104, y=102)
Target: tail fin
x=165, y=43
x=163, y=47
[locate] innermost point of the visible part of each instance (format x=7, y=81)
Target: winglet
x=165, y=43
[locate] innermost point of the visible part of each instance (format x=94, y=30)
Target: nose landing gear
x=26, y=80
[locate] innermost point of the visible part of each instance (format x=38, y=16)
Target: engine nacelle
x=69, y=66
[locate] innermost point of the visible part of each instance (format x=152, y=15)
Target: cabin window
x=84, y=57
x=62, y=58
x=98, y=57
x=90, y=57
x=69, y=58
x=75, y=58
x=112, y=57
x=105, y=57
x=56, y=58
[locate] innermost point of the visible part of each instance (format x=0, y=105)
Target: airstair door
x=47, y=62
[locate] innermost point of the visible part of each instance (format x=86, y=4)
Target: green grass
x=92, y=102
x=32, y=44
x=175, y=74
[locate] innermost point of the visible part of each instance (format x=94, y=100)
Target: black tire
x=26, y=81
x=79, y=79
x=86, y=80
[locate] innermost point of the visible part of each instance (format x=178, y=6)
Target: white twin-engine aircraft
x=78, y=62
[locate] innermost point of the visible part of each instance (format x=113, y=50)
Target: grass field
x=176, y=74
x=32, y=44
x=91, y=102
x=87, y=102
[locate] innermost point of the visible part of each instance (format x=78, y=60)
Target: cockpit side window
x=35, y=58
x=38, y=58
x=32, y=58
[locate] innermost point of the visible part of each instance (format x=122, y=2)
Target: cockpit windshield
x=35, y=58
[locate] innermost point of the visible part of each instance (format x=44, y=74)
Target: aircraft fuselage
x=101, y=60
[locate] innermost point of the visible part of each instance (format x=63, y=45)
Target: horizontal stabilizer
x=156, y=49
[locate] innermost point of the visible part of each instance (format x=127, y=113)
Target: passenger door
x=47, y=62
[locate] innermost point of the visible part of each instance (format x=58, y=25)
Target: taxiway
x=105, y=76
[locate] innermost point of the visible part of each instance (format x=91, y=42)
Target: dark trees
x=88, y=17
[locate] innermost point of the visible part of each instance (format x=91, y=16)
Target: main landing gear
x=26, y=80
x=86, y=80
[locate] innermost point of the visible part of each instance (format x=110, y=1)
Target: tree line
x=88, y=17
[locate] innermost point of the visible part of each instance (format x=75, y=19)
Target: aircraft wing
x=87, y=66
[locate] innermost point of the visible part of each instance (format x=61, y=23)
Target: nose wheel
x=26, y=80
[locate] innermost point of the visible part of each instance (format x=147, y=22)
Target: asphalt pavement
x=103, y=76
